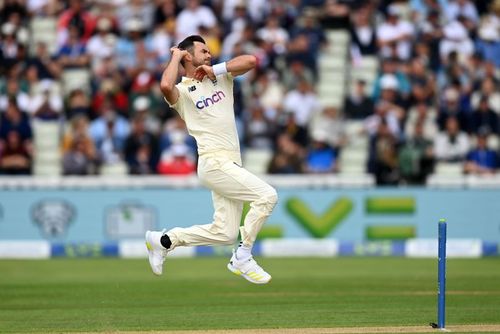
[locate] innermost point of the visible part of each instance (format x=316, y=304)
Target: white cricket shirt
x=208, y=109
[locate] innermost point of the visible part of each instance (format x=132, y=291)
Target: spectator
x=391, y=99
x=423, y=8
x=481, y=160
x=101, y=45
x=443, y=59
x=329, y=127
x=488, y=43
x=239, y=19
x=269, y=92
x=16, y=157
x=193, y=16
x=256, y=9
x=302, y=102
x=141, y=149
x=166, y=14
x=484, y=119
x=451, y=108
x=75, y=16
x=131, y=48
x=177, y=161
x=142, y=108
x=78, y=104
x=175, y=132
x=390, y=66
x=383, y=156
x=79, y=131
x=73, y=53
x=358, y=105
x=432, y=33
x=456, y=38
x=258, y=132
x=363, y=34
x=110, y=95
x=46, y=67
x=416, y=156
x=287, y=124
x=42, y=7
x=384, y=113
x=15, y=120
x=425, y=115
x=159, y=44
x=335, y=15
x=314, y=39
x=12, y=51
x=453, y=144
x=463, y=8
x=78, y=160
x=288, y=157
x=296, y=71
x=13, y=8
x=395, y=35
x=422, y=82
x=139, y=10
x=13, y=91
x=320, y=158
x=273, y=34
x=488, y=91
x=46, y=105
x=109, y=132
x=239, y=39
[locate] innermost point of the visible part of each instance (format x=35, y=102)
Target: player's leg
x=237, y=183
x=222, y=231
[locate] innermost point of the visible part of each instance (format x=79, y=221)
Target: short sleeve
x=181, y=102
x=226, y=79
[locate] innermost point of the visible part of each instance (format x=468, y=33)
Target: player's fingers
x=200, y=69
x=199, y=75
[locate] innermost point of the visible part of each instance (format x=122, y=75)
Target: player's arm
x=241, y=64
x=169, y=76
x=236, y=66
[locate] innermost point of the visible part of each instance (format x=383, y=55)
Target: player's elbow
x=252, y=61
x=166, y=87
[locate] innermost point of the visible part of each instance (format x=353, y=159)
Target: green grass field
x=104, y=295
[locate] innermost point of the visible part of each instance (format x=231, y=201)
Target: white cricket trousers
x=231, y=186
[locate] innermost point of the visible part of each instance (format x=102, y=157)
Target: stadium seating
x=257, y=160
x=43, y=29
x=47, y=157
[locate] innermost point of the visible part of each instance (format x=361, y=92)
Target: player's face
x=201, y=54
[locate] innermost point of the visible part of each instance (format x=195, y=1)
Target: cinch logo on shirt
x=206, y=102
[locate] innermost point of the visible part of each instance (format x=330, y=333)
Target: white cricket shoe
x=156, y=251
x=249, y=269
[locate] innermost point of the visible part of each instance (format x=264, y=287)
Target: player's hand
x=178, y=52
x=202, y=71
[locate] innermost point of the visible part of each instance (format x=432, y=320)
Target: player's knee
x=272, y=198
x=229, y=238
x=268, y=201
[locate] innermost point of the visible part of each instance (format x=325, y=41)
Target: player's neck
x=189, y=72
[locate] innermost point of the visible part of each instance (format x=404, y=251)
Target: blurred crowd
x=436, y=96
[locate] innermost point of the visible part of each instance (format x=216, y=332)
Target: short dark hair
x=188, y=43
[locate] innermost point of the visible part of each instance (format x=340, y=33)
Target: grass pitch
x=107, y=295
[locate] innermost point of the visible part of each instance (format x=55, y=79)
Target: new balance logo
x=191, y=89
